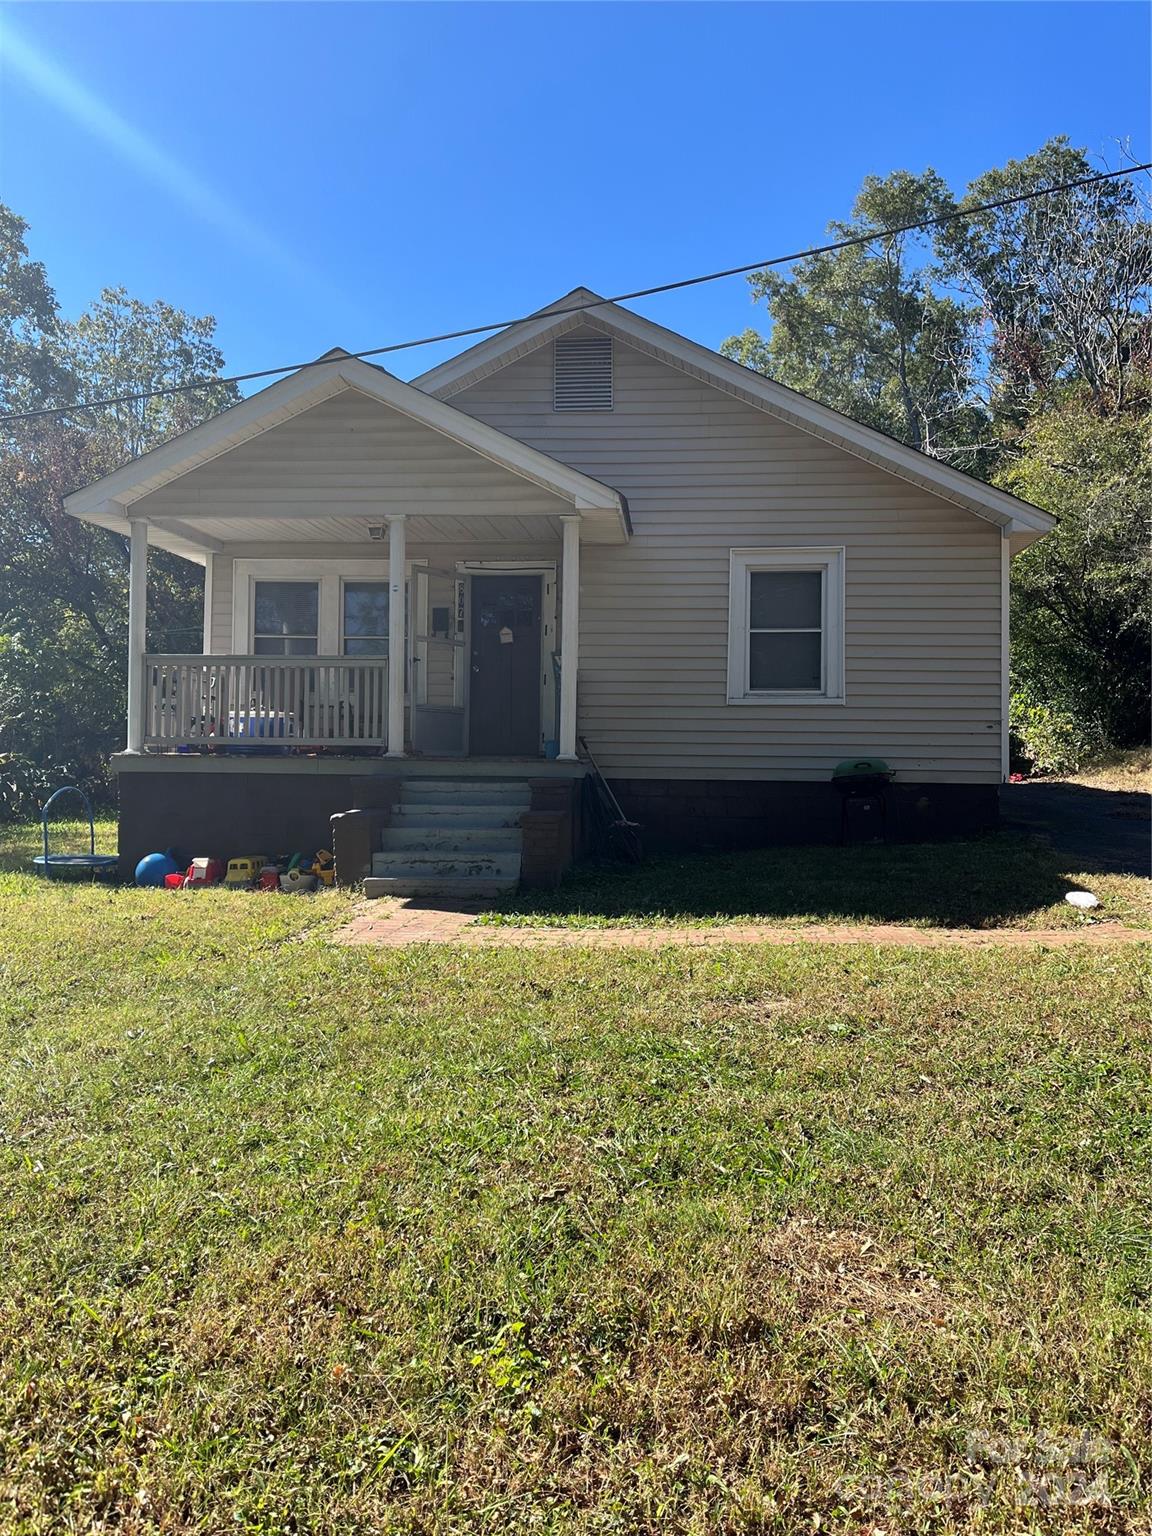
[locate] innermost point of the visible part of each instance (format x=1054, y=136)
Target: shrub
x=1053, y=736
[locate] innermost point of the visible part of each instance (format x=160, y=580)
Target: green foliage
x=1062, y=280
x=30, y=368
x=866, y=331
x=1053, y=738
x=64, y=584
x=1082, y=597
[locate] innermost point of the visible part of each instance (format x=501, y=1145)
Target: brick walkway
x=424, y=923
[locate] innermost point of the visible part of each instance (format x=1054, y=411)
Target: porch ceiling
x=253, y=535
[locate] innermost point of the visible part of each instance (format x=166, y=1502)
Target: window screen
x=785, y=631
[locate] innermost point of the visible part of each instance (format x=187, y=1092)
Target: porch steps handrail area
x=254, y=702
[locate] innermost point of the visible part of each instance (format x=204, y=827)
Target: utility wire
x=571, y=309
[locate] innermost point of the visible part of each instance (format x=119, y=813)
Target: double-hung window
x=286, y=618
x=786, y=626
x=364, y=618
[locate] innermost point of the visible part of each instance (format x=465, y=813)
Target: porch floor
x=317, y=763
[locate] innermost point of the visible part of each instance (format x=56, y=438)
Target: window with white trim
x=286, y=618
x=364, y=618
x=786, y=626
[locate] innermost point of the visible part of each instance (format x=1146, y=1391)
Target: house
x=422, y=595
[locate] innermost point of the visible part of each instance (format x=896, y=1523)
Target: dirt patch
x=404, y=925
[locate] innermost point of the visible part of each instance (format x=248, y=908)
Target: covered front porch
x=445, y=649
x=384, y=575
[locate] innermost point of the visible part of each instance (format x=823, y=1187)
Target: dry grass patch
x=1126, y=771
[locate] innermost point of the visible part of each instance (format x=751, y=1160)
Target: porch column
x=396, y=647
x=137, y=615
x=569, y=637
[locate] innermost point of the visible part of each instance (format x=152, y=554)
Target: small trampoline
x=74, y=866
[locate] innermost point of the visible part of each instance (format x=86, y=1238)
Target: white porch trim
x=137, y=629
x=397, y=659
x=569, y=637
x=1005, y=654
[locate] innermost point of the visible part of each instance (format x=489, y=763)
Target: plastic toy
x=269, y=878
x=324, y=867
x=205, y=872
x=298, y=880
x=245, y=870
x=153, y=868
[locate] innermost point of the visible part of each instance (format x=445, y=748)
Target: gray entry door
x=504, y=681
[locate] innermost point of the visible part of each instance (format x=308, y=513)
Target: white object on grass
x=1084, y=899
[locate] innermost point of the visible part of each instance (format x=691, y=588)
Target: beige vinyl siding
x=347, y=458
x=703, y=473
x=439, y=684
x=221, y=589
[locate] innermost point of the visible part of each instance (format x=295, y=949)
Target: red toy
x=199, y=872
x=205, y=872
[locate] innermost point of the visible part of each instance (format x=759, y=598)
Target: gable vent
x=582, y=380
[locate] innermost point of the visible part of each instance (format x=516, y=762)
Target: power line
x=637, y=293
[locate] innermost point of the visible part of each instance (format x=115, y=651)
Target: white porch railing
x=291, y=701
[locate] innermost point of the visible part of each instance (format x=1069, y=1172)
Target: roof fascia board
x=810, y=416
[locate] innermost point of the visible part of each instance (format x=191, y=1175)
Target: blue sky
x=358, y=173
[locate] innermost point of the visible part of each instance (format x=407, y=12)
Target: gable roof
x=583, y=307
x=106, y=501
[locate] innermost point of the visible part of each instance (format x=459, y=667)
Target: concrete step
x=438, y=838
x=409, y=864
x=515, y=787
x=465, y=816
x=415, y=792
x=461, y=888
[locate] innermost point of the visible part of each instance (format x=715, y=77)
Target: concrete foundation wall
x=222, y=814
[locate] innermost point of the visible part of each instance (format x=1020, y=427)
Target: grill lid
x=862, y=768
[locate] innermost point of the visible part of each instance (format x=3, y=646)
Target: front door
x=504, y=694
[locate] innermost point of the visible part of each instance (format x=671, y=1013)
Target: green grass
x=316, y=1240
x=1002, y=880
x=20, y=843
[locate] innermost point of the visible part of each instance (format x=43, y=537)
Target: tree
x=1082, y=597
x=867, y=331
x=122, y=346
x=31, y=373
x=1062, y=280
x=63, y=584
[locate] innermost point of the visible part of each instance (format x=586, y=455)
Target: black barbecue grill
x=862, y=783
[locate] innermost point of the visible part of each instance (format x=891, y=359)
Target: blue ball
x=153, y=867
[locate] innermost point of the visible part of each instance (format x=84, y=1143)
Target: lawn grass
x=1004, y=880
x=21, y=842
x=301, y=1238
